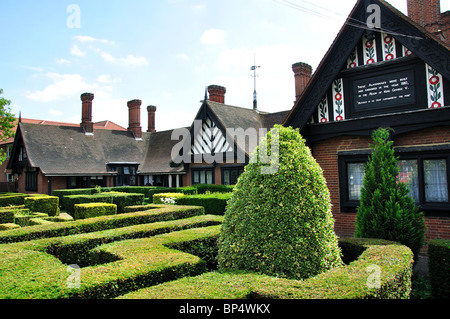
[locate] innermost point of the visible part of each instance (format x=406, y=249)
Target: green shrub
x=386, y=210
x=8, y=226
x=166, y=198
x=214, y=203
x=352, y=281
x=122, y=200
x=128, y=189
x=212, y=188
x=439, y=267
x=11, y=199
x=82, y=211
x=6, y=217
x=278, y=220
x=100, y=223
x=61, y=193
x=43, y=204
x=187, y=190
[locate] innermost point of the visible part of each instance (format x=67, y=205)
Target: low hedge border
x=122, y=200
x=83, y=211
x=439, y=267
x=160, y=213
x=12, y=199
x=214, y=203
x=43, y=204
x=132, y=264
x=347, y=282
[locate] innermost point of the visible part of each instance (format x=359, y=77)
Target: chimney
x=151, y=109
x=426, y=13
x=134, y=118
x=86, y=112
x=217, y=93
x=302, y=73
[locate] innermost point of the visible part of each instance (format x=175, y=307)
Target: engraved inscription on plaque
x=384, y=91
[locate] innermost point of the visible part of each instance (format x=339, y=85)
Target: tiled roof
x=66, y=150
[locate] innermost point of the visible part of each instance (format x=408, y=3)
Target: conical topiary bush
x=280, y=223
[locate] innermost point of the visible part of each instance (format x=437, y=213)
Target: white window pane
x=202, y=177
x=208, y=177
x=355, y=180
x=408, y=174
x=226, y=177
x=436, y=187
x=196, y=177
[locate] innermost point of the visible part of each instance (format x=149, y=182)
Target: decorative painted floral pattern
x=323, y=110
x=352, y=61
x=435, y=91
x=370, y=52
x=338, y=97
x=389, y=47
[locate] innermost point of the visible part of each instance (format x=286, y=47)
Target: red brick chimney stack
x=427, y=13
x=302, y=73
x=151, y=109
x=217, y=93
x=134, y=118
x=86, y=112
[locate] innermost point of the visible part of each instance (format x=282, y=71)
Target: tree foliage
x=386, y=210
x=6, y=123
x=280, y=224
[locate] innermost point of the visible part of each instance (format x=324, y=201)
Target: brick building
x=395, y=76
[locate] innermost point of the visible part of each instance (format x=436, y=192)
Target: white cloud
x=131, y=60
x=75, y=50
x=106, y=78
x=213, y=36
x=88, y=39
x=64, y=85
x=108, y=57
x=63, y=61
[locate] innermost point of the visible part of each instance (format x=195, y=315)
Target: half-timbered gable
x=397, y=76
x=222, y=138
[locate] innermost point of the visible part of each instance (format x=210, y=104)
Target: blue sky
x=164, y=52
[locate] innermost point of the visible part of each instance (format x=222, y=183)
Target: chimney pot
x=217, y=93
x=302, y=73
x=151, y=109
x=86, y=112
x=134, y=117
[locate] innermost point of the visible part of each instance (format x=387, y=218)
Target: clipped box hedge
x=82, y=211
x=214, y=203
x=11, y=199
x=166, y=198
x=122, y=200
x=162, y=213
x=116, y=266
x=439, y=267
x=6, y=217
x=353, y=281
x=43, y=204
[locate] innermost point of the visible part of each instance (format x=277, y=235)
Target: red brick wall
x=326, y=154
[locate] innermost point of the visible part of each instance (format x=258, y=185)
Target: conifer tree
x=386, y=210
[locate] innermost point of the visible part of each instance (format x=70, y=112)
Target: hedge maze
x=169, y=251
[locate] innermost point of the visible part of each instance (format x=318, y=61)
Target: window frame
x=239, y=169
x=402, y=153
x=203, y=169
